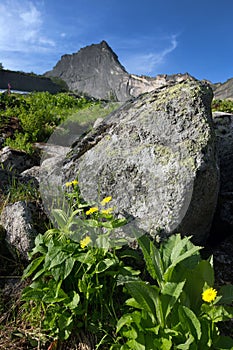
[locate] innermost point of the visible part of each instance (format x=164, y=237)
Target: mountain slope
x=96, y=71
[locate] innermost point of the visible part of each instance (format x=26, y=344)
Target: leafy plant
x=180, y=309
x=74, y=272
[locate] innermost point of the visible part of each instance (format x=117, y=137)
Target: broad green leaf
x=187, y=344
x=33, y=266
x=69, y=264
x=195, y=281
x=170, y=294
x=103, y=242
x=61, y=217
x=227, y=294
x=104, y=265
x=152, y=258
x=147, y=297
x=178, y=259
x=224, y=343
x=174, y=248
x=125, y=320
x=75, y=301
x=190, y=321
x=57, y=259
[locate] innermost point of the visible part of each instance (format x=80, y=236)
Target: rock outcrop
x=17, y=220
x=156, y=157
x=26, y=82
x=223, y=219
x=224, y=90
x=96, y=71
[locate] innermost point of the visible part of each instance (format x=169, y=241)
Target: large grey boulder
x=156, y=157
x=20, y=220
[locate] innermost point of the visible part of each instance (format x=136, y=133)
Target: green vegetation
x=222, y=105
x=40, y=113
x=82, y=283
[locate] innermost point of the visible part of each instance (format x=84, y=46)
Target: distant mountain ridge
x=96, y=71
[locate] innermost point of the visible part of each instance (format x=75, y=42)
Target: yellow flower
x=92, y=210
x=209, y=295
x=74, y=182
x=107, y=211
x=85, y=241
x=106, y=200
x=68, y=184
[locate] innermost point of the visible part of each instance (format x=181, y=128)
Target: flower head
x=92, y=210
x=71, y=183
x=106, y=200
x=107, y=211
x=209, y=295
x=85, y=241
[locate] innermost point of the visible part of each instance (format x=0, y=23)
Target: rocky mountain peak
x=95, y=70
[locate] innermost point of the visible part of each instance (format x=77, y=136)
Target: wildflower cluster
x=81, y=283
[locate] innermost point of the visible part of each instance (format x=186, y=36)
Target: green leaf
x=75, y=301
x=146, y=296
x=227, y=294
x=33, y=266
x=152, y=258
x=125, y=320
x=224, y=343
x=190, y=321
x=56, y=259
x=195, y=281
x=103, y=242
x=69, y=264
x=170, y=294
x=186, y=345
x=61, y=217
x=104, y=265
x=177, y=260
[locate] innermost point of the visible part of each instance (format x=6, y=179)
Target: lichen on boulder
x=156, y=157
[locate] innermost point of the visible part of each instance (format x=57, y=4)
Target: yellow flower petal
x=209, y=295
x=107, y=211
x=85, y=241
x=74, y=182
x=68, y=184
x=92, y=210
x=106, y=200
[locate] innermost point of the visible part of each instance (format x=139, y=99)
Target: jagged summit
x=96, y=71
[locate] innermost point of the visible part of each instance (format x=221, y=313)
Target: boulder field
x=157, y=156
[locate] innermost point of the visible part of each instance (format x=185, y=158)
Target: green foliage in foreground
x=222, y=105
x=81, y=283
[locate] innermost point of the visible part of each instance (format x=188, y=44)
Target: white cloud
x=21, y=30
x=147, y=63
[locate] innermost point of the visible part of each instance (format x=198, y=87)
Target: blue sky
x=150, y=37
